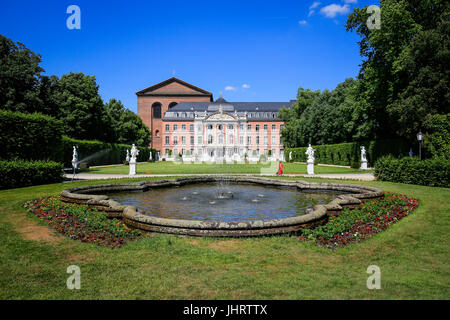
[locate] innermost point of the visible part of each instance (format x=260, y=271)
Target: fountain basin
x=318, y=214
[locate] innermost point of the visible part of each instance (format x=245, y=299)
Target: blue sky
x=250, y=50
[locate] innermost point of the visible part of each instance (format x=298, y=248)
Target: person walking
x=280, y=169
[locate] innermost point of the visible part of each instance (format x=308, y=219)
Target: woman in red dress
x=280, y=169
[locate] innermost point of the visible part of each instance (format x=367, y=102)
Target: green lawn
x=208, y=168
x=413, y=256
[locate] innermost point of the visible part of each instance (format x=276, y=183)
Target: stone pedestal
x=363, y=164
x=132, y=168
x=310, y=167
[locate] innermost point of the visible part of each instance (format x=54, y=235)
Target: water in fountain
x=94, y=156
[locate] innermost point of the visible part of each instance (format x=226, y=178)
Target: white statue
x=150, y=156
x=127, y=159
x=310, y=161
x=363, y=154
x=134, y=153
x=290, y=156
x=310, y=153
x=363, y=158
x=74, y=159
x=74, y=155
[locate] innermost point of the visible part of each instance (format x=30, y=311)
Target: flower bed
x=81, y=223
x=352, y=226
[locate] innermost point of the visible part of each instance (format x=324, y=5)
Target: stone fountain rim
x=134, y=218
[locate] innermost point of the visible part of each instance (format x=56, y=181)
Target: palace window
x=220, y=138
x=210, y=127
x=191, y=128
x=199, y=140
x=167, y=140
x=210, y=139
x=257, y=140
x=274, y=140
x=257, y=128
x=230, y=127
x=231, y=139
x=249, y=140
x=183, y=140
x=241, y=127
x=156, y=110
x=274, y=127
x=192, y=140
x=175, y=141
x=175, y=127
x=266, y=140
x=249, y=127
x=241, y=140
x=167, y=128
x=266, y=127
x=183, y=127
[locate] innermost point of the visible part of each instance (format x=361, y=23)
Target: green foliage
x=21, y=173
x=349, y=154
x=82, y=112
x=127, y=126
x=326, y=118
x=29, y=136
x=437, y=142
x=430, y=172
x=19, y=77
x=100, y=153
x=405, y=72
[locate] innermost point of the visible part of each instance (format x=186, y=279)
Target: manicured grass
x=208, y=168
x=413, y=256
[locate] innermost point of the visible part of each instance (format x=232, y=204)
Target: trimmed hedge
x=430, y=172
x=96, y=153
x=349, y=154
x=21, y=173
x=29, y=136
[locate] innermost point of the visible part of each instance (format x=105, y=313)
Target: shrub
x=430, y=172
x=21, y=173
x=349, y=154
x=29, y=136
x=100, y=153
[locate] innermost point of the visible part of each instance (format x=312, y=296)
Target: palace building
x=185, y=119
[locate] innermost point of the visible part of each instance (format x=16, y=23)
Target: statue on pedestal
x=134, y=153
x=363, y=158
x=310, y=160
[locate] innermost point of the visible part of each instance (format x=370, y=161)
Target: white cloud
x=333, y=10
x=314, y=5
x=245, y=86
x=230, y=88
x=302, y=22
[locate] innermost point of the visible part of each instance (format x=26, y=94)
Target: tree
x=19, y=77
x=82, y=111
x=404, y=74
x=128, y=127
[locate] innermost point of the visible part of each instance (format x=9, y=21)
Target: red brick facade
x=163, y=95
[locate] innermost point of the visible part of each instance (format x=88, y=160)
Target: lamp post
x=420, y=139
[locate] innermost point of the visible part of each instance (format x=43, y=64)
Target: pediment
x=220, y=117
x=173, y=87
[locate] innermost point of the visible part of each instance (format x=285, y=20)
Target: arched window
x=157, y=133
x=156, y=110
x=172, y=104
